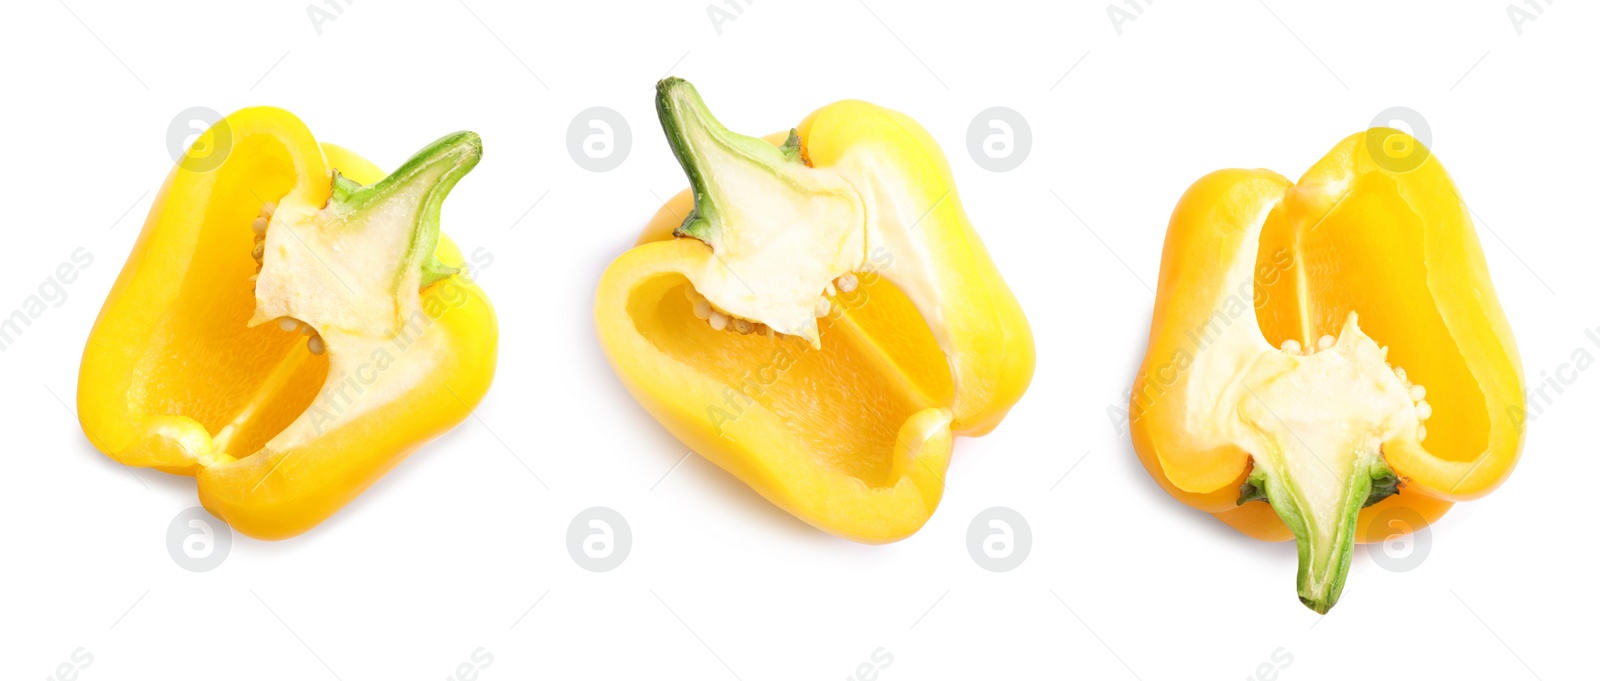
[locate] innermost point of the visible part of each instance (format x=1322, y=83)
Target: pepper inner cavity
x=837, y=403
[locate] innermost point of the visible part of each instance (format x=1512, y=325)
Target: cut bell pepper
x=289, y=326
x=1327, y=354
x=816, y=315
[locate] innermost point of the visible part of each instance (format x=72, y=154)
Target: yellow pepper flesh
x=174, y=378
x=853, y=436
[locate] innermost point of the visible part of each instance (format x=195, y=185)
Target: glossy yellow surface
x=172, y=377
x=854, y=437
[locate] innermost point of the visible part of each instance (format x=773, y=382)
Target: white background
x=448, y=553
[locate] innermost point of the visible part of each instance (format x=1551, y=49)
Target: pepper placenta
x=290, y=324
x=816, y=315
x=1328, y=356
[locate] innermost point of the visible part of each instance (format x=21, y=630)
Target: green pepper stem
x=684, y=119
x=1323, y=564
x=432, y=173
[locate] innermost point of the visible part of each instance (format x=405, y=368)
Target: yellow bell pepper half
x=1328, y=356
x=290, y=324
x=816, y=315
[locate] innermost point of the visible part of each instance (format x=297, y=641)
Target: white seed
x=1400, y=372
x=718, y=320
x=771, y=335
x=742, y=326
x=1424, y=410
x=288, y=323
x=315, y=345
x=830, y=290
x=702, y=308
x=259, y=225
x=259, y=250
x=824, y=306
x=847, y=282
x=1291, y=346
x=269, y=208
x=1324, y=342
x=1418, y=392
x=1422, y=433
